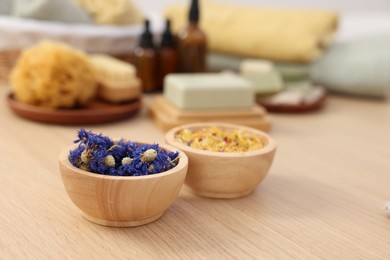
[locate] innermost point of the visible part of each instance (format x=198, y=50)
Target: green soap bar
x=208, y=90
x=265, y=83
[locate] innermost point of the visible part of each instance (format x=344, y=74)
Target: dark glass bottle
x=167, y=54
x=192, y=44
x=145, y=56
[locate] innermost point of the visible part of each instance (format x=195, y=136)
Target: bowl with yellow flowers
x=121, y=183
x=225, y=160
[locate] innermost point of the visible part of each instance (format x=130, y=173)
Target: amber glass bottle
x=167, y=54
x=146, y=60
x=192, y=44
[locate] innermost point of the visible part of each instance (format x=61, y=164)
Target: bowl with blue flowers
x=121, y=183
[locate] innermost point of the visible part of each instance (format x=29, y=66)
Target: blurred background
x=293, y=52
x=357, y=17
x=340, y=5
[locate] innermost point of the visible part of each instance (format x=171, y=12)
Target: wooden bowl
x=122, y=201
x=225, y=174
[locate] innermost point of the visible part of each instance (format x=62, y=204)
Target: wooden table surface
x=323, y=197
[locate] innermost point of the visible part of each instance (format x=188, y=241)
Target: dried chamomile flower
x=126, y=160
x=99, y=154
x=151, y=168
x=149, y=155
x=109, y=160
x=97, y=162
x=75, y=155
x=85, y=156
x=219, y=140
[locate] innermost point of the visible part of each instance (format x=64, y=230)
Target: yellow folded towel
x=119, y=12
x=279, y=34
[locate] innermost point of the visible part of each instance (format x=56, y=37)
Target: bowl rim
x=170, y=139
x=183, y=163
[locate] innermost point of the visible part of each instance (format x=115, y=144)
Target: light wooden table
x=322, y=199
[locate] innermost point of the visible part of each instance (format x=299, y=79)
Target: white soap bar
x=208, y=90
x=255, y=66
x=265, y=83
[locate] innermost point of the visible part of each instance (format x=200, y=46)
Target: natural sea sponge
x=55, y=75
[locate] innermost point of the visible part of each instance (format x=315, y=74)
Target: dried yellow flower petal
x=220, y=140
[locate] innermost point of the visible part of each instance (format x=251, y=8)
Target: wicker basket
x=7, y=61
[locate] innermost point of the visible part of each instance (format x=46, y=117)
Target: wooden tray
x=96, y=112
x=168, y=116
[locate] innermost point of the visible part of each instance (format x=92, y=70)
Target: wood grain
x=322, y=198
x=167, y=116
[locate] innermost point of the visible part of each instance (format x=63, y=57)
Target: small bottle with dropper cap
x=167, y=54
x=192, y=44
x=146, y=60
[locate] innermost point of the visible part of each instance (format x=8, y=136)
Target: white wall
x=340, y=5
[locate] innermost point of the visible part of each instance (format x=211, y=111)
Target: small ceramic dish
x=122, y=201
x=225, y=174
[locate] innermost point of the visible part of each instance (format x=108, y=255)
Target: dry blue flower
x=99, y=154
